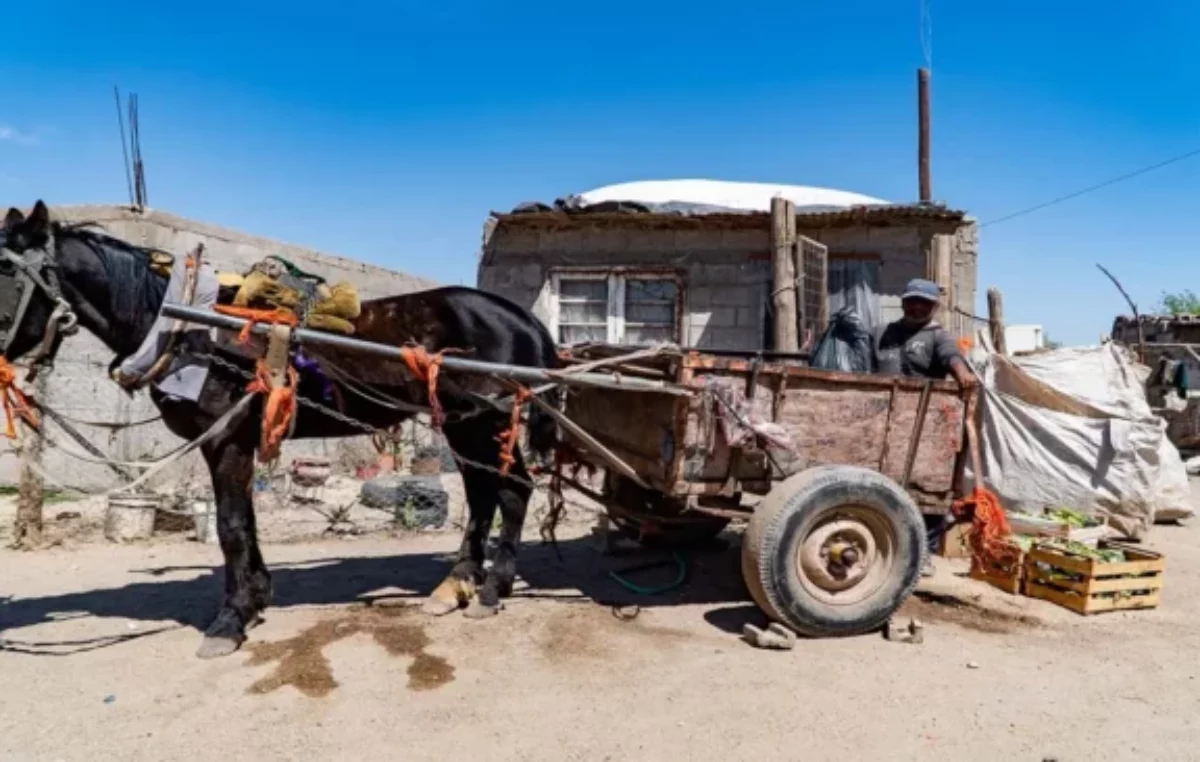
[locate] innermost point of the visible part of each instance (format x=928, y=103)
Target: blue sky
x=387, y=131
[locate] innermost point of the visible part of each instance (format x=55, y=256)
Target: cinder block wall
x=727, y=272
x=79, y=386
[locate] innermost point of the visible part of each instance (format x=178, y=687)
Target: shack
x=611, y=266
x=1176, y=337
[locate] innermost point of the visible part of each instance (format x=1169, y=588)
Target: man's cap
x=919, y=288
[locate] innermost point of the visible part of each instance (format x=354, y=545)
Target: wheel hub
x=838, y=555
x=845, y=558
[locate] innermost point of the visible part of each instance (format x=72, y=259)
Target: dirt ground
x=97, y=642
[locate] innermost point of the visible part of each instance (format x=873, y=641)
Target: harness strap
x=277, y=380
x=191, y=278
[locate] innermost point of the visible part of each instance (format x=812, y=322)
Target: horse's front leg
x=247, y=581
x=460, y=585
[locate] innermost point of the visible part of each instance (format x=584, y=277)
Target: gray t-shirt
x=901, y=350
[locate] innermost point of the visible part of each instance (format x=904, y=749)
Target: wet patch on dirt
x=303, y=665
x=933, y=607
x=589, y=632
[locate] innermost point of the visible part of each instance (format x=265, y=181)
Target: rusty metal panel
x=835, y=422
x=639, y=428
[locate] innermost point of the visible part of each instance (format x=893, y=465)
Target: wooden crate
x=1009, y=577
x=1096, y=586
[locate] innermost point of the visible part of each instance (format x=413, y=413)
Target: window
x=582, y=310
x=650, y=311
x=618, y=308
x=854, y=282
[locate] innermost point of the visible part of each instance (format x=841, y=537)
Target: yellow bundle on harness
x=274, y=284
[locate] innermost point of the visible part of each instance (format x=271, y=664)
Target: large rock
x=417, y=502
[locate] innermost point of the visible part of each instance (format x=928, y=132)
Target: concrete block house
x=690, y=261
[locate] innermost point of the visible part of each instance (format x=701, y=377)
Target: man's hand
x=966, y=378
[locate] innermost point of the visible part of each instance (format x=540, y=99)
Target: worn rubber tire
x=787, y=515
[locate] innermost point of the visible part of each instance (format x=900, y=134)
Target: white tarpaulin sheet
x=1072, y=428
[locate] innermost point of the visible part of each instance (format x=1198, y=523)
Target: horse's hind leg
x=247, y=581
x=513, y=496
x=460, y=585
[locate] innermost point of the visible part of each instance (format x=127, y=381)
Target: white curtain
x=855, y=283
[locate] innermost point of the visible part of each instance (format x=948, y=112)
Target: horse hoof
x=439, y=607
x=214, y=647
x=477, y=610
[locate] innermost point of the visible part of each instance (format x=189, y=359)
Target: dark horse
x=115, y=294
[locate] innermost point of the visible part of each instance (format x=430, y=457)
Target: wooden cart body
x=911, y=430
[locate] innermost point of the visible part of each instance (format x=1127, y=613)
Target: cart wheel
x=834, y=550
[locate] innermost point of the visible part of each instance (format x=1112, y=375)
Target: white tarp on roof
x=1072, y=428
x=752, y=197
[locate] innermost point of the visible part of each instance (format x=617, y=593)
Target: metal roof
x=616, y=214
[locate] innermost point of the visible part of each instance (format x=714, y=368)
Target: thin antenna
x=124, y=149
x=135, y=141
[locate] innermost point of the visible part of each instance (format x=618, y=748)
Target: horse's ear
x=38, y=220
x=12, y=219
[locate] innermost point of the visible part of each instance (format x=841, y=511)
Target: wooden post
x=783, y=271
x=31, y=491
x=996, y=320
x=923, y=135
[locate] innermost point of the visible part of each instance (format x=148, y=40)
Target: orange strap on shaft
x=278, y=410
x=254, y=316
x=509, y=437
x=16, y=404
x=425, y=367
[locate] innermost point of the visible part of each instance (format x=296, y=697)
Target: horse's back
x=488, y=325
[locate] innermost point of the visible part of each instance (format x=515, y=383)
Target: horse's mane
x=137, y=289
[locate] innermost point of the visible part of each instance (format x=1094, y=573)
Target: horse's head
x=34, y=316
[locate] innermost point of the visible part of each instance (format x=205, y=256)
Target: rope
x=641, y=590
x=255, y=316
x=16, y=404
x=278, y=412
x=989, y=529
x=508, y=438
x=425, y=367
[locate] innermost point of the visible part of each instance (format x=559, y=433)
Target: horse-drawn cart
x=846, y=463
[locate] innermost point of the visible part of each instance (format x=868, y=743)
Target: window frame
x=616, y=278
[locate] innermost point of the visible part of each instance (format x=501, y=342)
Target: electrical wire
x=1091, y=188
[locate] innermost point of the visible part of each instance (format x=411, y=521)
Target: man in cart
x=916, y=345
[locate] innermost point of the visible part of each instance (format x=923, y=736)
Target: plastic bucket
x=204, y=515
x=130, y=517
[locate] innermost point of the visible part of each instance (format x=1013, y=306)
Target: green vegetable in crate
x=1071, y=517
x=1073, y=548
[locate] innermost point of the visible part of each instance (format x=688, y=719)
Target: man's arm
x=947, y=349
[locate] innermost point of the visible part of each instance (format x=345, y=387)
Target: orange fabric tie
x=425, y=367
x=508, y=438
x=278, y=410
x=965, y=344
x=254, y=316
x=16, y=404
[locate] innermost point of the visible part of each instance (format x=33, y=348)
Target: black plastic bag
x=845, y=345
